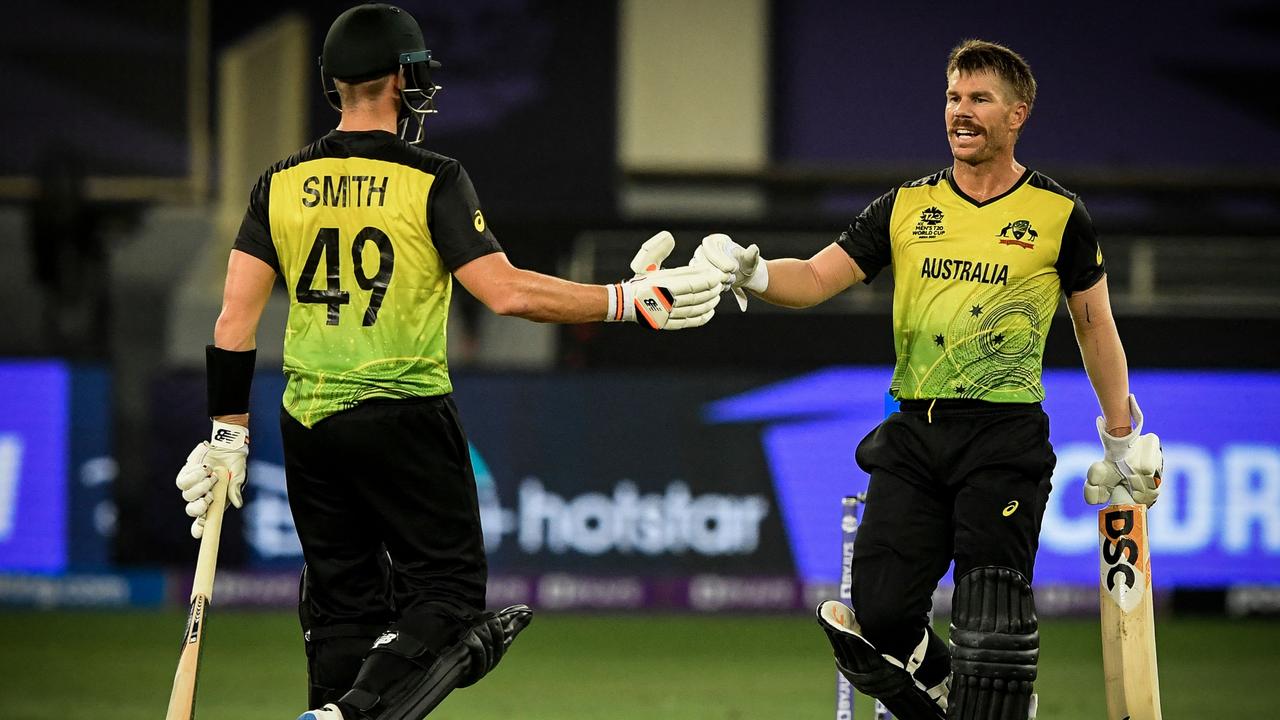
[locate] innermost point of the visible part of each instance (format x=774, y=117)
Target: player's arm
x=1130, y=458
x=857, y=256
x=796, y=283
x=508, y=290
x=661, y=299
x=229, y=365
x=1103, y=354
x=788, y=282
x=244, y=297
x=229, y=362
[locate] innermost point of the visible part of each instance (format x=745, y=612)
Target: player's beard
x=986, y=147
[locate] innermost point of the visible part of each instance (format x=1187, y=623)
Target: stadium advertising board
x=56, y=472
x=33, y=466
x=1217, y=522
x=580, y=475
x=709, y=478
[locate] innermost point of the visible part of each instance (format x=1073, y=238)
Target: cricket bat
x=182, y=700
x=1128, y=623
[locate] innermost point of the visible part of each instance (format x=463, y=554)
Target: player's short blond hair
x=352, y=94
x=980, y=55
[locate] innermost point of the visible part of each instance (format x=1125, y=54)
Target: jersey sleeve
x=867, y=239
x=1079, y=262
x=458, y=227
x=255, y=229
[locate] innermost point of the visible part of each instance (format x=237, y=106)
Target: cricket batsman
x=367, y=230
x=980, y=251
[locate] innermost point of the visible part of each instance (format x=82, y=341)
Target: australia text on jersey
x=979, y=272
x=344, y=191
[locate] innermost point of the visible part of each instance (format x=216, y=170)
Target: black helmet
x=375, y=39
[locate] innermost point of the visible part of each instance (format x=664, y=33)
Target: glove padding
x=1135, y=461
x=744, y=265
x=671, y=299
x=487, y=641
x=228, y=447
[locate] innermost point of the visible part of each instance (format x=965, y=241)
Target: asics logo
x=1010, y=509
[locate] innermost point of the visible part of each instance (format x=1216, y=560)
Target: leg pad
x=870, y=672
x=995, y=645
x=402, y=679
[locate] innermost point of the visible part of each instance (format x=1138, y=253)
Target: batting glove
x=228, y=447
x=673, y=299
x=1134, y=461
x=745, y=265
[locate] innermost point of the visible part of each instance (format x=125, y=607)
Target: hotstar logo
x=625, y=521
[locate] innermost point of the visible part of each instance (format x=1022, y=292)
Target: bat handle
x=207, y=560
x=1121, y=496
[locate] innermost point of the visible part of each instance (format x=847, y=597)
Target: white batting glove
x=673, y=299
x=228, y=447
x=746, y=266
x=1134, y=461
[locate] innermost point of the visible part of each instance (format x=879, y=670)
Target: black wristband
x=229, y=374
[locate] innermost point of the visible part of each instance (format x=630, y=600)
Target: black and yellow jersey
x=975, y=283
x=365, y=230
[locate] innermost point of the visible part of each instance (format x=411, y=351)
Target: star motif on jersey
x=998, y=338
x=939, y=340
x=976, y=310
x=959, y=389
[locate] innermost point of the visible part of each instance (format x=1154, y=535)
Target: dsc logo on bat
x=1122, y=535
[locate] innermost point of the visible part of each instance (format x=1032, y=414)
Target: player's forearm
x=1104, y=359
x=804, y=283
x=544, y=298
x=794, y=283
x=1108, y=370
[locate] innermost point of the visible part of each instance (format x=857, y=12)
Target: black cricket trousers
x=388, y=480
x=961, y=480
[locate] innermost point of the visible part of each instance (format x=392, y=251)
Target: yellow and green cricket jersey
x=975, y=283
x=365, y=230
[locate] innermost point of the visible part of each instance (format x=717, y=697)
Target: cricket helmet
x=375, y=39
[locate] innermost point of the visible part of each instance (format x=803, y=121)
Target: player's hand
x=673, y=299
x=743, y=264
x=228, y=447
x=1135, y=460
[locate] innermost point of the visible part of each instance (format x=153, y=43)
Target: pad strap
x=327, y=632
x=229, y=374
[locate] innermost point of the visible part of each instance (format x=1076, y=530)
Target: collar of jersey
x=1026, y=175
x=384, y=134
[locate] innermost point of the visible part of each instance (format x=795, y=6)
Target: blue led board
x=1217, y=522
x=33, y=465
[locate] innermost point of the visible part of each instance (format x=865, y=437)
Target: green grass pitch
x=119, y=665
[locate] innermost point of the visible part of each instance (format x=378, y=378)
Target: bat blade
x=182, y=699
x=1128, y=622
